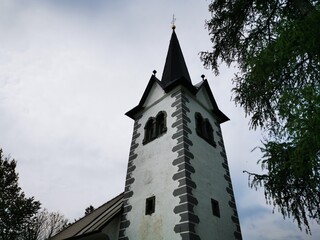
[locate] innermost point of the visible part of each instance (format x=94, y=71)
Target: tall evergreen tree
x=276, y=46
x=16, y=210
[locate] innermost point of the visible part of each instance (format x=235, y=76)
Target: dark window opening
x=155, y=127
x=149, y=132
x=199, y=124
x=215, y=207
x=208, y=133
x=150, y=205
x=204, y=129
x=160, y=123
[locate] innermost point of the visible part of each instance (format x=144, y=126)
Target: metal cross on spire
x=173, y=26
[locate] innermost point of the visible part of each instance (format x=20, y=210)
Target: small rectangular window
x=215, y=208
x=150, y=205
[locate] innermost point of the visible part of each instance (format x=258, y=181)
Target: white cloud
x=68, y=73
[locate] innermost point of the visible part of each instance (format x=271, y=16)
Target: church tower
x=178, y=184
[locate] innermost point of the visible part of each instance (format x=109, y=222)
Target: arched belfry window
x=161, y=126
x=155, y=127
x=149, y=131
x=208, y=133
x=199, y=124
x=204, y=129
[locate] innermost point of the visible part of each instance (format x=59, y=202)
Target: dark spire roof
x=175, y=67
x=175, y=73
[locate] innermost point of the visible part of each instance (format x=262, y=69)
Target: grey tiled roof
x=93, y=222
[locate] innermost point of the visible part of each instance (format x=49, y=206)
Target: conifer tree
x=16, y=210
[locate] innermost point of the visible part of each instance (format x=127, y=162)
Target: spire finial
x=173, y=26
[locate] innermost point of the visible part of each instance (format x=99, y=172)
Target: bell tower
x=178, y=184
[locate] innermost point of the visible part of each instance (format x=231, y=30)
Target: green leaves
x=275, y=44
x=292, y=183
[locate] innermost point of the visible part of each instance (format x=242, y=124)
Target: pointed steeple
x=175, y=67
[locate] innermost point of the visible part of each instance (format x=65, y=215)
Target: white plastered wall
x=209, y=176
x=153, y=176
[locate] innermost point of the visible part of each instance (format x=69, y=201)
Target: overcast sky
x=70, y=69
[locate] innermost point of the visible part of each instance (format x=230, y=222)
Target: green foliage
x=16, y=210
x=275, y=44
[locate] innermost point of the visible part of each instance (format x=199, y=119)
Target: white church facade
x=178, y=184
